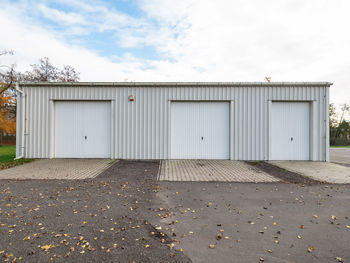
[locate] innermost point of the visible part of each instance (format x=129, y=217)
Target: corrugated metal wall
x=141, y=128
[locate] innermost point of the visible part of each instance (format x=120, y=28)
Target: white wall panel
x=141, y=128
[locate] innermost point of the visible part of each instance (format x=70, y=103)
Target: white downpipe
x=23, y=121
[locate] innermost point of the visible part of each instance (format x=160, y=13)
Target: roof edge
x=172, y=84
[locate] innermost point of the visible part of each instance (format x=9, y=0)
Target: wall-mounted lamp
x=131, y=97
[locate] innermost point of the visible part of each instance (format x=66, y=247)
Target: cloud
x=60, y=16
x=241, y=40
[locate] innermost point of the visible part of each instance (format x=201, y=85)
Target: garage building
x=144, y=120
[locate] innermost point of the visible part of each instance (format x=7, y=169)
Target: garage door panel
x=82, y=129
x=290, y=133
x=214, y=128
x=200, y=130
x=68, y=142
x=97, y=129
x=301, y=135
x=185, y=141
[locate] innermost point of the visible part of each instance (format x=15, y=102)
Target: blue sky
x=63, y=16
x=184, y=40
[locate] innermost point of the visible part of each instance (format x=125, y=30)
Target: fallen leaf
x=47, y=247
x=171, y=245
x=339, y=259
x=311, y=249
x=211, y=246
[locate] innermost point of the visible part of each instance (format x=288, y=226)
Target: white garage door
x=82, y=129
x=200, y=130
x=290, y=133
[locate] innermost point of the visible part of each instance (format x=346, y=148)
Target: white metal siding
x=200, y=130
x=141, y=128
x=290, y=135
x=82, y=129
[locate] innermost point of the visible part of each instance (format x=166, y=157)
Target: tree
x=267, y=79
x=44, y=71
x=7, y=114
x=68, y=74
x=339, y=127
x=333, y=123
x=8, y=74
x=7, y=101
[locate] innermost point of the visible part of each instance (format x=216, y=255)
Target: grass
x=345, y=146
x=7, y=155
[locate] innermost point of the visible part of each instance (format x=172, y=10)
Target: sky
x=184, y=40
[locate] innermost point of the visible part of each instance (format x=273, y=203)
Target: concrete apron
x=212, y=171
x=320, y=171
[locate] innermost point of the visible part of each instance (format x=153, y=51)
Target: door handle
x=202, y=138
x=85, y=137
x=291, y=139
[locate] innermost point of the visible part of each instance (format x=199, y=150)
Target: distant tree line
x=43, y=71
x=339, y=126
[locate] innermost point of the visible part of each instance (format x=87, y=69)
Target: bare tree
x=44, y=71
x=68, y=74
x=8, y=74
x=267, y=79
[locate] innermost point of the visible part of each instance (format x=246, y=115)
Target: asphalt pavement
x=340, y=155
x=92, y=220
x=125, y=215
x=266, y=222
